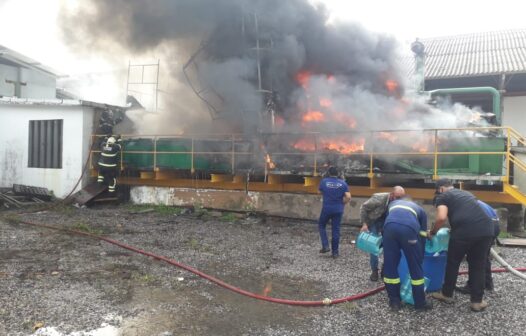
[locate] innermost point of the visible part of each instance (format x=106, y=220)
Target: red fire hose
x=223, y=284
x=193, y=270
x=219, y=282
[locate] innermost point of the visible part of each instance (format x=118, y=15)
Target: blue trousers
x=336, y=218
x=401, y=237
x=375, y=229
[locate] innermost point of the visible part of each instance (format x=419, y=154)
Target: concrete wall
x=277, y=204
x=39, y=85
x=514, y=113
x=14, y=136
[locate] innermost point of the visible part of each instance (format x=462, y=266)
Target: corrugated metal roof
x=490, y=53
x=11, y=57
x=56, y=102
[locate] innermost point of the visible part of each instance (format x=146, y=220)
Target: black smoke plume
x=303, y=63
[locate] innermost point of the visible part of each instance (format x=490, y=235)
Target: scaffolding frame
x=143, y=82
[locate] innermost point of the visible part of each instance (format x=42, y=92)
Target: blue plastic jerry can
x=369, y=243
x=439, y=242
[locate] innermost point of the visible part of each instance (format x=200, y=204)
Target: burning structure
x=278, y=74
x=294, y=92
x=261, y=66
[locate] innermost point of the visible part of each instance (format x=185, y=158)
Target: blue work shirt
x=491, y=214
x=407, y=213
x=333, y=190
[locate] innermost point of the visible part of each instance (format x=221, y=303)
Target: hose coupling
x=327, y=301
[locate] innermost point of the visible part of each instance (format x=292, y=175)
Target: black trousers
x=476, y=251
x=488, y=283
x=107, y=175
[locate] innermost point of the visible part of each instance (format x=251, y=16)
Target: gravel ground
x=75, y=286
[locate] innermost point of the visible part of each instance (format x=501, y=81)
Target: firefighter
x=106, y=123
x=404, y=230
x=108, y=162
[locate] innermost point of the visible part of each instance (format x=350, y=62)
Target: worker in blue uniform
x=404, y=230
x=336, y=194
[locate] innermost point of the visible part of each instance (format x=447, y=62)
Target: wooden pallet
x=517, y=242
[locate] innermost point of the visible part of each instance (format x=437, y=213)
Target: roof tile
x=489, y=53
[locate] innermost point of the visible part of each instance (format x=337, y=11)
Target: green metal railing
x=434, y=152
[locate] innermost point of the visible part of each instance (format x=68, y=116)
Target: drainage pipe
x=470, y=90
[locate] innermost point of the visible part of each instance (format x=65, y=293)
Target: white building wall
x=14, y=137
x=39, y=85
x=7, y=72
x=514, y=113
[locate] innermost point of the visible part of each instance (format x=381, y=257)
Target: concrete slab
x=301, y=206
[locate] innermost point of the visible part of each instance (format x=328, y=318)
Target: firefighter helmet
x=110, y=141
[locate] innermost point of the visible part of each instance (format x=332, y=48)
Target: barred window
x=45, y=144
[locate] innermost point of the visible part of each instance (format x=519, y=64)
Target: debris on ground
x=31, y=192
x=20, y=196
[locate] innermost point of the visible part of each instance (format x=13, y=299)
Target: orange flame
x=279, y=121
x=421, y=148
x=303, y=78
x=270, y=163
x=304, y=145
x=391, y=85
x=424, y=144
x=311, y=116
x=344, y=146
x=387, y=136
x=325, y=102
x=345, y=119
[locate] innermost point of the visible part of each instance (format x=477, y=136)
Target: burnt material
x=32, y=192
x=88, y=193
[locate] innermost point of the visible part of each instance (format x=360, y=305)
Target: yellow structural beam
x=514, y=192
x=146, y=175
x=215, y=178
x=312, y=181
x=275, y=179
x=166, y=174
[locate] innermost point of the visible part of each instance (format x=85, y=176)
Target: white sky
x=408, y=19
x=29, y=26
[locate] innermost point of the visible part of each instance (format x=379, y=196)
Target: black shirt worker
x=471, y=236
